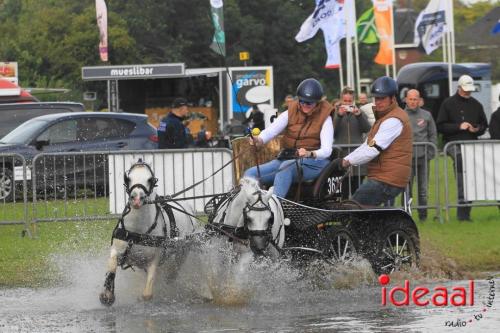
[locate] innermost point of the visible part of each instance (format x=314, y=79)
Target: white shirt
x=326, y=134
x=388, y=131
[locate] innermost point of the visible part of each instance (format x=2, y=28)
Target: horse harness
x=146, y=239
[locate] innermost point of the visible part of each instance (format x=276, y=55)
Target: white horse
x=257, y=214
x=144, y=230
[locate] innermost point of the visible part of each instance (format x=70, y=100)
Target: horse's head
x=258, y=219
x=139, y=183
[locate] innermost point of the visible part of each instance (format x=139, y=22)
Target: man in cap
x=172, y=132
x=461, y=117
x=387, y=149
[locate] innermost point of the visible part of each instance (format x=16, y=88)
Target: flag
x=367, y=30
x=327, y=16
x=383, y=22
x=496, y=28
x=219, y=40
x=102, y=23
x=431, y=25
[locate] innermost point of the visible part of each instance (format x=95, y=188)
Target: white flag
x=102, y=23
x=327, y=16
x=431, y=25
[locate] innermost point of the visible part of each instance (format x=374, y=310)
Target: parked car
x=14, y=114
x=71, y=132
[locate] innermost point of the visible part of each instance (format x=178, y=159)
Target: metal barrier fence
x=14, y=190
x=475, y=167
x=76, y=186
x=424, y=164
x=89, y=185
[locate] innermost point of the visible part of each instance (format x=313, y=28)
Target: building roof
x=404, y=25
x=479, y=34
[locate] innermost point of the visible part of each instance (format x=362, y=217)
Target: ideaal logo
x=439, y=296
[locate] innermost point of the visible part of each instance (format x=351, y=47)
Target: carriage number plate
x=18, y=173
x=334, y=185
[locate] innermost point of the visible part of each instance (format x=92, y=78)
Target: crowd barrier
x=89, y=186
x=476, y=180
x=14, y=177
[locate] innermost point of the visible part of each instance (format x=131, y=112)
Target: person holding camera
x=350, y=124
x=461, y=117
x=387, y=149
x=307, y=140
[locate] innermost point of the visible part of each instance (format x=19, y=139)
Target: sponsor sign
x=133, y=71
x=249, y=86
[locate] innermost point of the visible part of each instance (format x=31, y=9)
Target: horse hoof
x=107, y=298
x=147, y=298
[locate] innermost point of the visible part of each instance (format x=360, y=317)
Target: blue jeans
x=373, y=193
x=283, y=173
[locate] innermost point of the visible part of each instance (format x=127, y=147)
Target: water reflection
x=212, y=292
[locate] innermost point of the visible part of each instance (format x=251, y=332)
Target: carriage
x=318, y=223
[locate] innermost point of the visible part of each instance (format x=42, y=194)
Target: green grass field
x=24, y=262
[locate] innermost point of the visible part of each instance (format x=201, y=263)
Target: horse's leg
x=147, y=294
x=107, y=296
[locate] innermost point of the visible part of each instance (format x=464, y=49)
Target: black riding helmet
x=310, y=90
x=384, y=86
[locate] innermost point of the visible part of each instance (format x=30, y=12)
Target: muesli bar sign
x=132, y=71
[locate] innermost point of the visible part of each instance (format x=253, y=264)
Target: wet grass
x=474, y=246
x=26, y=262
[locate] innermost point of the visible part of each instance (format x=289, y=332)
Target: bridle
x=152, y=181
x=260, y=208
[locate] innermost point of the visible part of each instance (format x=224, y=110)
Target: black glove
x=337, y=164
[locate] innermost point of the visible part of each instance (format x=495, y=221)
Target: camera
x=348, y=108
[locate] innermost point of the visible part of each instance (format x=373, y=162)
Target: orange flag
x=383, y=22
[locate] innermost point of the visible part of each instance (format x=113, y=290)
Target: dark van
x=14, y=114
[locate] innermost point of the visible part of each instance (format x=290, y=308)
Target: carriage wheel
x=399, y=251
x=340, y=245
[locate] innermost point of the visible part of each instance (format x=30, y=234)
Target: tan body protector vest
x=304, y=131
x=393, y=165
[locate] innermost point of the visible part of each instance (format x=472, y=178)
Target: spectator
x=256, y=119
x=172, y=132
x=349, y=125
x=461, y=117
x=367, y=108
x=494, y=127
x=424, y=130
x=363, y=99
x=189, y=135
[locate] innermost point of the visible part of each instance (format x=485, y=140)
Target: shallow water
x=214, y=293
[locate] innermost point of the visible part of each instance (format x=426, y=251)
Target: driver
x=387, y=149
x=307, y=134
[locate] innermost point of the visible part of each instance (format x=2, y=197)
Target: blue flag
x=496, y=28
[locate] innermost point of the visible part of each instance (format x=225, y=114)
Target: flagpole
x=393, y=42
x=341, y=74
x=445, y=45
x=356, y=52
x=449, y=28
x=452, y=35
x=349, y=63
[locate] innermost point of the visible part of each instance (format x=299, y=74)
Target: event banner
x=249, y=87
